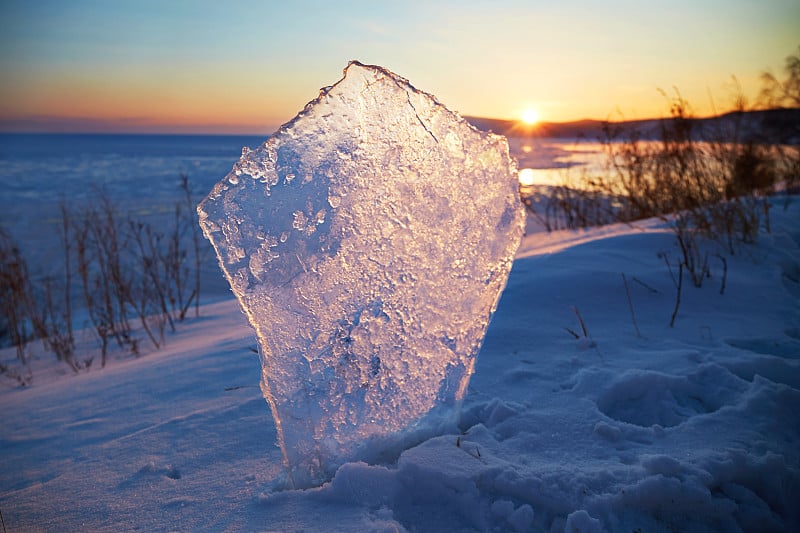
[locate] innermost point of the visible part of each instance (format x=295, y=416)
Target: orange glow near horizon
x=177, y=67
x=142, y=106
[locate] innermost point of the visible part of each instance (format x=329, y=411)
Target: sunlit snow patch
x=368, y=242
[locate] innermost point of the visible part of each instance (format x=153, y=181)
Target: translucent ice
x=368, y=242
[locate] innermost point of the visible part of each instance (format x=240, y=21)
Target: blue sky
x=250, y=66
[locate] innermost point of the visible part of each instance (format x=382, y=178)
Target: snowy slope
x=691, y=428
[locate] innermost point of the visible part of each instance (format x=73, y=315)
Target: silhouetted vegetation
x=114, y=269
x=712, y=176
x=711, y=181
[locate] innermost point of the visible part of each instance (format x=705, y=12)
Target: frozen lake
x=141, y=172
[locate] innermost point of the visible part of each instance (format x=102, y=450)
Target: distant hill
x=770, y=126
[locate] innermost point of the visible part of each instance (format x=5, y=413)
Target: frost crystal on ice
x=368, y=242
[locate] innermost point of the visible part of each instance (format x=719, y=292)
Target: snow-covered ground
x=691, y=428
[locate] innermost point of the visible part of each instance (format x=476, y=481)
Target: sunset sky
x=247, y=67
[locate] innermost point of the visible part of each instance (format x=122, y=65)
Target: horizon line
x=39, y=126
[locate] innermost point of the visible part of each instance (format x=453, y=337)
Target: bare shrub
x=785, y=93
x=194, y=227
x=708, y=185
x=105, y=277
x=572, y=205
x=121, y=270
x=153, y=290
x=16, y=295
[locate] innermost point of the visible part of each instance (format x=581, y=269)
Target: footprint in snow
x=645, y=398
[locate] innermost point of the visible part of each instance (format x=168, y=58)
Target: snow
x=336, y=238
x=691, y=428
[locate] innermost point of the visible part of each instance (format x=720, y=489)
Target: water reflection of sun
x=527, y=177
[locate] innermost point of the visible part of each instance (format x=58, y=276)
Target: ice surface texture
x=368, y=242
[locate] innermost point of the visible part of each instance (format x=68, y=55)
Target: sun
x=530, y=116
